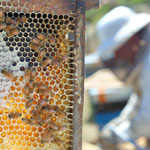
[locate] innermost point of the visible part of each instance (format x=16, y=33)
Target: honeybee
x=37, y=41
x=8, y=74
x=33, y=121
x=64, y=58
x=52, y=125
x=27, y=92
x=13, y=32
x=2, y=14
x=2, y=20
x=44, y=110
x=14, y=115
x=44, y=91
x=56, y=62
x=47, y=137
x=58, y=142
x=31, y=86
x=27, y=121
x=48, y=119
x=28, y=103
x=40, y=55
x=48, y=109
x=9, y=27
x=33, y=113
x=61, y=128
x=34, y=47
x=52, y=40
x=2, y=26
x=36, y=84
x=27, y=75
x=21, y=20
x=11, y=21
x=33, y=74
x=41, y=37
x=39, y=119
x=46, y=62
x=60, y=113
x=40, y=105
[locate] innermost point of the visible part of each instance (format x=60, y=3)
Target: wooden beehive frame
x=65, y=21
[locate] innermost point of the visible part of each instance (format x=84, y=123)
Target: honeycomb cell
x=58, y=102
x=32, y=139
x=36, y=134
x=13, y=121
x=29, y=143
x=4, y=117
x=12, y=88
x=2, y=146
x=18, y=110
x=11, y=127
x=19, y=121
x=38, y=79
x=61, y=91
x=5, y=98
x=53, y=119
x=21, y=106
x=2, y=123
x=33, y=128
x=22, y=127
x=16, y=137
x=18, y=89
x=28, y=128
x=14, y=105
x=21, y=78
x=57, y=97
x=29, y=133
x=24, y=132
x=40, y=129
x=3, y=134
x=17, y=127
x=12, y=100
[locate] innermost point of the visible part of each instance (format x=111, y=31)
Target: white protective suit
x=134, y=120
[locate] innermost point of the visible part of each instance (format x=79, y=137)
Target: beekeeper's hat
x=116, y=27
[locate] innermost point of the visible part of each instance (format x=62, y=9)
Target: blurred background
x=105, y=95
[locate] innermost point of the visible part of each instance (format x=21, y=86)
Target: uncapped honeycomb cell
x=37, y=111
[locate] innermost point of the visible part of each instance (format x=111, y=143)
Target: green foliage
x=94, y=15
x=131, y=2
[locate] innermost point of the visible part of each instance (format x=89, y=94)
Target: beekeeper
x=125, y=48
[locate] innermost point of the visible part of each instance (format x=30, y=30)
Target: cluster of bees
x=43, y=112
x=9, y=25
x=37, y=45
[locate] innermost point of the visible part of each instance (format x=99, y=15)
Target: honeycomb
x=36, y=113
